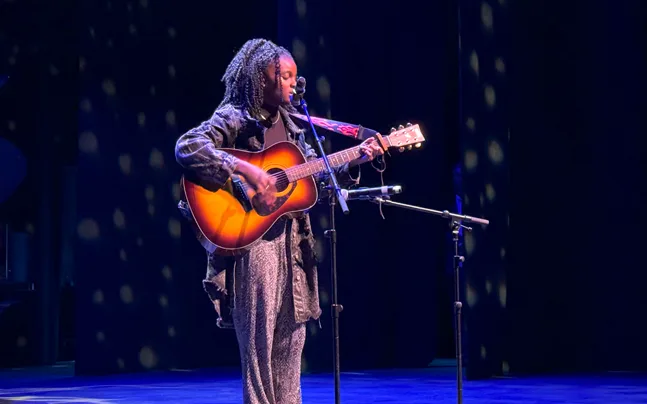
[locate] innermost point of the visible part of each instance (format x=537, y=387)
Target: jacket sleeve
x=344, y=173
x=197, y=152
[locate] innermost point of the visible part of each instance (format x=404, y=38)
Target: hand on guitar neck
x=263, y=183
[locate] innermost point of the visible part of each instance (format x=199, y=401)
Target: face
x=276, y=94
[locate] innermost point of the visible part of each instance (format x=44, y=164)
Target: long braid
x=244, y=78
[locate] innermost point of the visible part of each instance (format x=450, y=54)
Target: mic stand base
x=455, y=225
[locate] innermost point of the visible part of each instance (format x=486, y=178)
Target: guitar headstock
x=405, y=137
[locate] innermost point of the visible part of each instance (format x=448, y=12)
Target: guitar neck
x=318, y=166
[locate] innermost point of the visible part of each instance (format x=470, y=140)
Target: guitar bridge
x=238, y=192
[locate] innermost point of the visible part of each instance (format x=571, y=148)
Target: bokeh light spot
x=166, y=273
x=97, y=297
x=85, y=105
x=323, y=88
x=11, y=125
x=472, y=297
x=474, y=62
x=483, y=352
x=119, y=219
x=488, y=286
x=163, y=301
x=171, y=331
x=88, y=229
x=301, y=8
x=120, y=363
x=149, y=192
x=469, y=243
x=171, y=71
x=139, y=241
x=88, y=142
x=505, y=367
x=174, y=228
x=323, y=297
x=490, y=193
x=471, y=160
x=495, y=152
x=125, y=163
x=176, y=191
x=490, y=96
x=486, y=16
x=82, y=64
x=21, y=342
x=470, y=123
x=132, y=29
x=502, y=252
x=147, y=357
x=499, y=65
x=299, y=51
x=101, y=336
x=122, y=255
x=126, y=294
x=170, y=118
x=172, y=33
x=156, y=159
x=503, y=294
x=141, y=119
x=323, y=221
x=151, y=209
x=109, y=87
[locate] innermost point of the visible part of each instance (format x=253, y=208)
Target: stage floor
x=434, y=385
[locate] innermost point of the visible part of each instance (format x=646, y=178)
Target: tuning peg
x=418, y=145
x=401, y=149
x=409, y=147
x=409, y=124
x=392, y=130
x=400, y=127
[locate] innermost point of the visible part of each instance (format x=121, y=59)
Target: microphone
x=297, y=93
x=368, y=193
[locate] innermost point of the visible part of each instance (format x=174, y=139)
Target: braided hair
x=245, y=76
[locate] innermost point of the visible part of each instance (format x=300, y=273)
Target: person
x=271, y=286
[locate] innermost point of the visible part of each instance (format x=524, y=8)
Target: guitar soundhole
x=282, y=182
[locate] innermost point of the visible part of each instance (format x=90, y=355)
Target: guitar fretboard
x=318, y=166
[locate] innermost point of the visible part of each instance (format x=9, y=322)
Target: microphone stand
x=455, y=225
x=331, y=234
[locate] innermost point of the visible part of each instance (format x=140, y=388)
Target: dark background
x=542, y=110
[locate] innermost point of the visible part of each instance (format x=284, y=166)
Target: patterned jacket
x=197, y=153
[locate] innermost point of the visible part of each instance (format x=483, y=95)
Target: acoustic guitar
x=232, y=219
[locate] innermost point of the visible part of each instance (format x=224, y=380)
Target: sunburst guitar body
x=232, y=219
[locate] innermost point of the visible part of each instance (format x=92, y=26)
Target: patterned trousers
x=269, y=339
